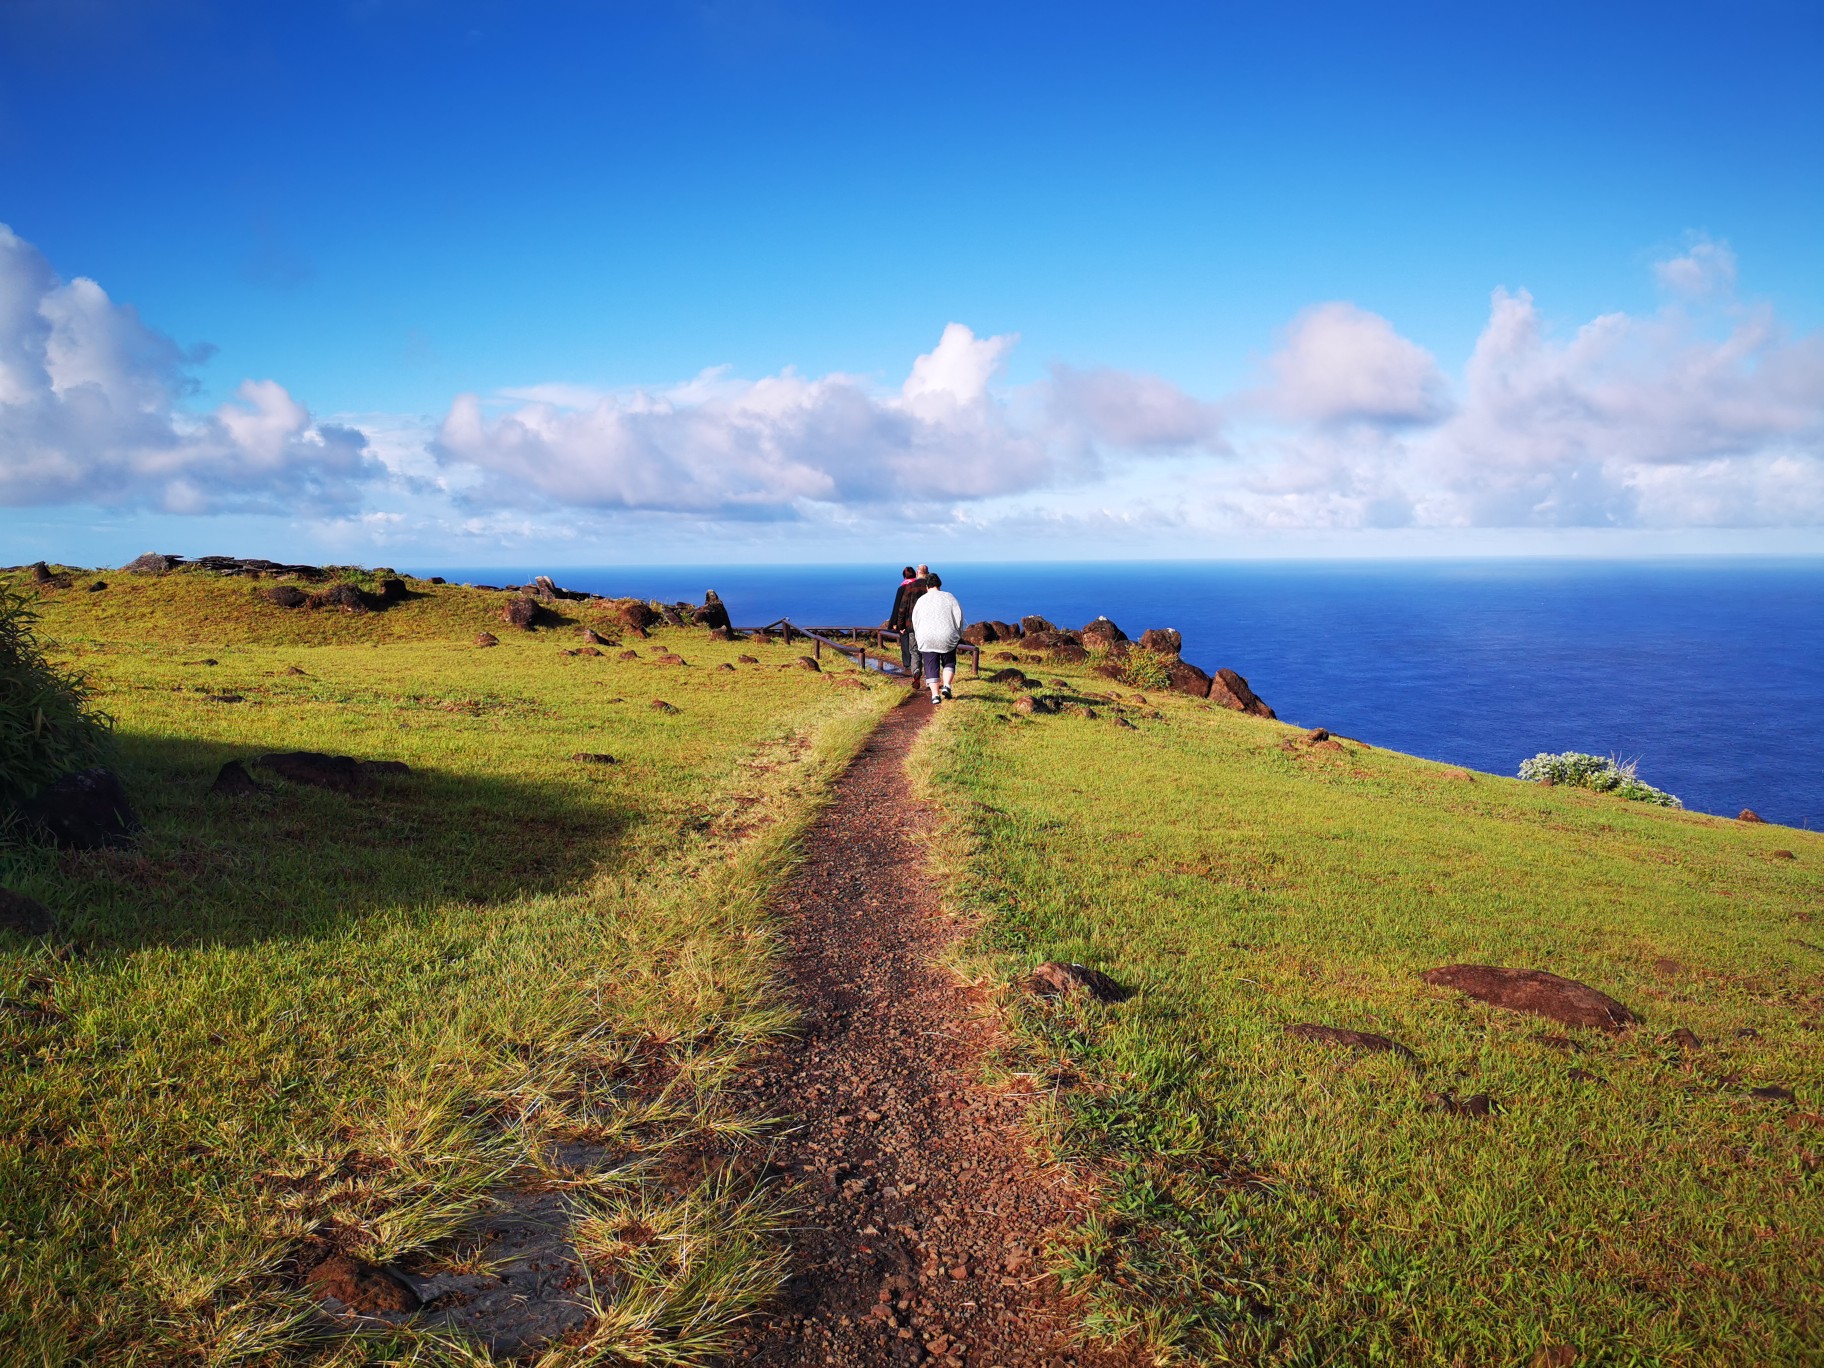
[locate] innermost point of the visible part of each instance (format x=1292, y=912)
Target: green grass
x=307, y=1017
x=1267, y=1201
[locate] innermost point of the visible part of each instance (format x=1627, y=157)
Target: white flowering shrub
x=1604, y=773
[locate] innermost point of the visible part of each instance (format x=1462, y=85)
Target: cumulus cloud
x=89, y=413
x=1341, y=364
x=1706, y=268
x=1132, y=412
x=760, y=448
x=1628, y=421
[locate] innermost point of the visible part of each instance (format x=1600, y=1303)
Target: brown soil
x=922, y=1213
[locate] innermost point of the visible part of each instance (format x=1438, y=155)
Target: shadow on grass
x=295, y=861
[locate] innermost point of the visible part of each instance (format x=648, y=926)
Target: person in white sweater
x=937, y=622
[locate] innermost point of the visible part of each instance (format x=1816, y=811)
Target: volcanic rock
x=630, y=654
x=338, y=772
x=721, y=634
x=1533, y=990
x=1054, y=978
x=1029, y=625
x=390, y=590
x=344, y=596
x=24, y=916
x=286, y=596
x=980, y=633
x=808, y=663
x=634, y=614
x=40, y=572
x=87, y=810
x=594, y=638
x=1781, y=855
x=233, y=781
x=1355, y=1040
x=152, y=564
x=712, y=614
x=362, y=1288
x=1185, y=678
x=1683, y=1038
x=486, y=639
x=1011, y=675
x=1750, y=815
x=96, y=586
x=1773, y=1093
x=1165, y=640
x=659, y=705
x=1102, y=633
x=1067, y=653
x=1230, y=690
x=1317, y=734
x=520, y=611
x=748, y=659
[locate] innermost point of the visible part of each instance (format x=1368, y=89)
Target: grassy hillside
x=306, y=1020
x=1629, y=1199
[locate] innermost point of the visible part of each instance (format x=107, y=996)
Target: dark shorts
x=937, y=660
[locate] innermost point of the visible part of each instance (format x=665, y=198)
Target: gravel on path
x=922, y=1213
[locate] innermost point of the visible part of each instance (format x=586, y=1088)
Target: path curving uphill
x=922, y=1214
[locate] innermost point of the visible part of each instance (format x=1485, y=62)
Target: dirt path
x=922, y=1214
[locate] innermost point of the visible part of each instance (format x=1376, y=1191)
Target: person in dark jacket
x=900, y=620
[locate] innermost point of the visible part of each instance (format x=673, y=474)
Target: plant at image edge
x=1604, y=774
x=47, y=727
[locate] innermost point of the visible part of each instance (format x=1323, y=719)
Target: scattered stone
x=659, y=705
x=391, y=590
x=761, y=637
x=1054, y=978
x=338, y=772
x=1102, y=634
x=1186, y=678
x=1750, y=815
x=712, y=614
x=437, y=579
x=1684, y=1038
x=1533, y=990
x=1163, y=640
x=594, y=638
x=362, y=1288
x=520, y=611
x=1124, y=724
x=224, y=698
x=633, y=614
x=1355, y=1040
x=345, y=597
x=809, y=663
x=152, y=564
x=585, y=651
x=1585, y=1076
x=1029, y=625
x=979, y=634
x=1230, y=690
x=1773, y=1092
x=233, y=781
x=726, y=666
x=748, y=660
x=285, y=595
x=668, y=658
x=96, y=586
x=1011, y=675
x=594, y=758
x=486, y=639
x=87, y=810
x=1747, y=1033
x=721, y=634
x=1781, y=855
x=629, y=654
x=24, y=916
x=1478, y=1104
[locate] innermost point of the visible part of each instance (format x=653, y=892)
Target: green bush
x=1142, y=669
x=47, y=727
x=1603, y=773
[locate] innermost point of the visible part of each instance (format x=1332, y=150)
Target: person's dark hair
x=906, y=573
x=933, y=581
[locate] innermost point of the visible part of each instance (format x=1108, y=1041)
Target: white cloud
x=1133, y=412
x=89, y=413
x=1341, y=364
x=1706, y=268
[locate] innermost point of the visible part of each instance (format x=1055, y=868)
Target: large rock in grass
x=1056, y=978
x=1185, y=678
x=1353, y=1040
x=1165, y=640
x=980, y=633
x=713, y=613
x=1034, y=623
x=87, y=810
x=520, y=611
x=24, y=916
x=1102, y=633
x=1535, y=991
x=286, y=596
x=233, y=781
x=341, y=773
x=1230, y=690
x=390, y=590
x=345, y=597
x=633, y=614
x=152, y=564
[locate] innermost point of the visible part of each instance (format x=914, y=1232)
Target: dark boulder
x=1781, y=855
x=1011, y=675
x=339, y=772
x=760, y=637
x=592, y=637
x=40, y=572
x=1317, y=734
x=721, y=634
x=390, y=590
x=659, y=705
x=1354, y=1040
x=673, y=616
x=486, y=639
x=96, y=586
x=520, y=612
x=345, y=597
x=1533, y=990
x=87, y=810
x=1230, y=690
x=1035, y=704
x=634, y=614
x=362, y=1288
x=1750, y=815
x=1055, y=978
x=24, y=916
x=1102, y=633
x=233, y=781
x=153, y=564
x=712, y=613
x=1067, y=653
x=1165, y=640
x=629, y=655
x=1035, y=623
x=1684, y=1038
x=980, y=633
x=808, y=663
x=437, y=579
x=748, y=659
x=285, y=595
x=1185, y=678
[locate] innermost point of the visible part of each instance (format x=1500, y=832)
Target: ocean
x=1708, y=672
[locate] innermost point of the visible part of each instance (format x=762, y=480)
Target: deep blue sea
x=1708, y=672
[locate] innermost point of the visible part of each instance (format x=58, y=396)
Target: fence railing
x=855, y=646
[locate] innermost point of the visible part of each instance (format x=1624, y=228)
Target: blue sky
x=644, y=281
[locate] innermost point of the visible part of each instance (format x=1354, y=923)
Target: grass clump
x=1270, y=1201
x=49, y=724
x=1602, y=773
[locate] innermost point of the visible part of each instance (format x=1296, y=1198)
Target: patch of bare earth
x=922, y=1211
